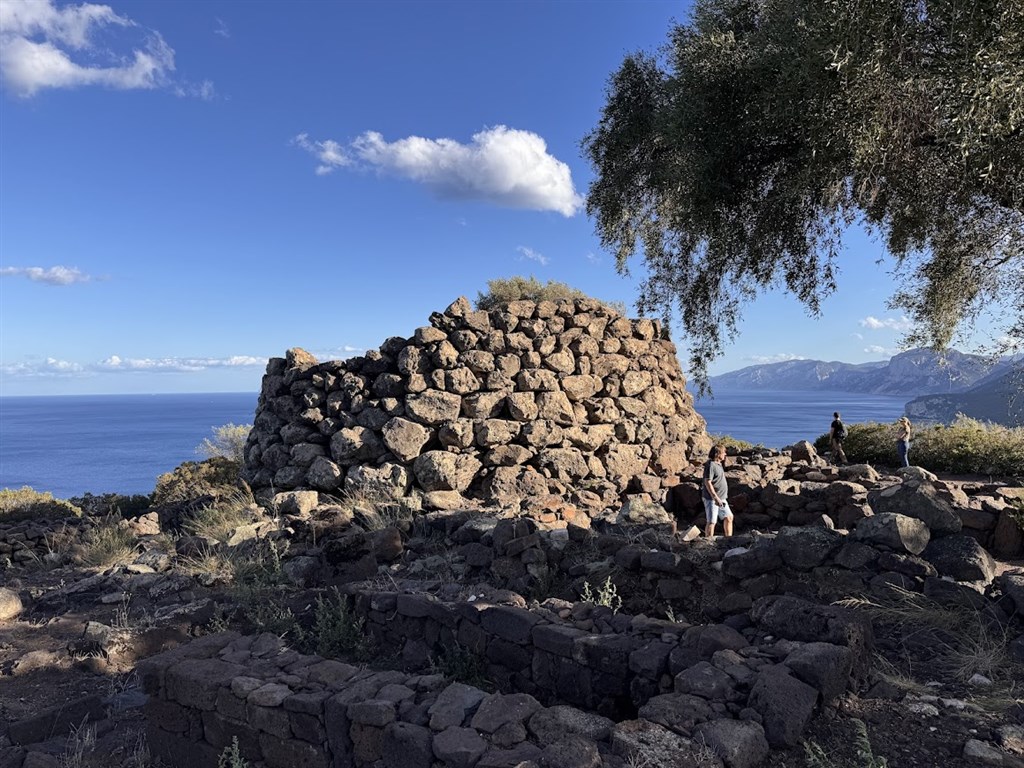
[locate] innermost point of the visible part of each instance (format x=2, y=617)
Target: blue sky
x=188, y=189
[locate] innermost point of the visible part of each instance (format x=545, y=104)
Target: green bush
x=216, y=477
x=228, y=441
x=967, y=446
x=503, y=290
x=27, y=504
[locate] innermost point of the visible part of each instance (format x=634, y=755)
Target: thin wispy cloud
x=532, y=255
x=890, y=323
x=503, y=166
x=44, y=46
x=875, y=349
x=329, y=154
x=782, y=357
x=48, y=275
x=592, y=258
x=52, y=367
x=221, y=29
x=203, y=90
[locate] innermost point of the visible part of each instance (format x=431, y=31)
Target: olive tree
x=735, y=159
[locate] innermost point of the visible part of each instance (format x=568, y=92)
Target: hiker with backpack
x=837, y=434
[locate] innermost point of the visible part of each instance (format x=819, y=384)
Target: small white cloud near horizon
x=52, y=367
x=875, y=349
x=43, y=46
x=501, y=165
x=782, y=357
x=51, y=275
x=903, y=323
x=532, y=255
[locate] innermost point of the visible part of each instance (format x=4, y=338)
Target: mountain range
x=937, y=386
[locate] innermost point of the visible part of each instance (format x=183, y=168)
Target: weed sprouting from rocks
x=607, y=595
x=231, y=757
x=337, y=631
x=458, y=663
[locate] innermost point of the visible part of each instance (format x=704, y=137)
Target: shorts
x=713, y=511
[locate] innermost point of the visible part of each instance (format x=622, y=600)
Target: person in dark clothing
x=715, y=492
x=837, y=433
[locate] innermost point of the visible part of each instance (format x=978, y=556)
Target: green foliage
x=27, y=504
x=966, y=446
x=735, y=162
x=228, y=442
x=502, y=291
x=733, y=443
x=461, y=664
x=192, y=480
x=337, y=631
x=607, y=595
x=231, y=757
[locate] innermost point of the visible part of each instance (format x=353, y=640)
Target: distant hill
x=1000, y=400
x=913, y=373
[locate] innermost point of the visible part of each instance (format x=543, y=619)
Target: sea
x=72, y=445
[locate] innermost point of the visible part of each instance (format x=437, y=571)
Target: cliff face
x=1000, y=400
x=911, y=373
x=534, y=399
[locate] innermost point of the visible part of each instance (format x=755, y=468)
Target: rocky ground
x=67, y=660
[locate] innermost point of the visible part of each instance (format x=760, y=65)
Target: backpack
x=841, y=432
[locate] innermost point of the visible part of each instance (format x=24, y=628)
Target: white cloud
x=116, y=363
x=858, y=336
x=782, y=357
x=532, y=255
x=51, y=367
x=501, y=165
x=222, y=28
x=50, y=276
x=894, y=324
x=203, y=90
x=330, y=154
x=46, y=46
x=875, y=349
x=592, y=258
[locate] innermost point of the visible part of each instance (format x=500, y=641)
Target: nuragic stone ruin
x=530, y=401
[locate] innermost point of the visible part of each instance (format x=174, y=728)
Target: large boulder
x=10, y=604
x=898, y=532
x=805, y=548
x=784, y=703
x=444, y=471
x=795, y=619
x=920, y=499
x=961, y=558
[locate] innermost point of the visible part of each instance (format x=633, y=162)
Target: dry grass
x=109, y=543
x=220, y=519
x=962, y=641
x=373, y=509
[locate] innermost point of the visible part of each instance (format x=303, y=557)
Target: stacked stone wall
x=535, y=399
x=288, y=709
